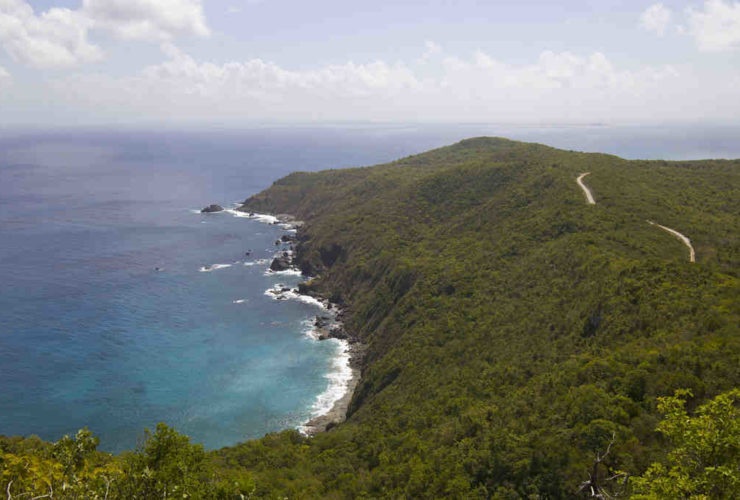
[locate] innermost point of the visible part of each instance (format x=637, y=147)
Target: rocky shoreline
x=325, y=326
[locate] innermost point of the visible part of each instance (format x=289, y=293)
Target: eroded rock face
x=211, y=209
x=280, y=263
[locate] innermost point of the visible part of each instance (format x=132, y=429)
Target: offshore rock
x=211, y=209
x=280, y=263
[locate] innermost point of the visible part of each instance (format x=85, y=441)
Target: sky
x=235, y=62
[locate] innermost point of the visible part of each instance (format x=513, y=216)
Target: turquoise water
x=92, y=334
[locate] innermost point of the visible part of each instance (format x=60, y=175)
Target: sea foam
x=214, y=267
x=267, y=219
x=339, y=377
x=258, y=262
x=277, y=293
x=287, y=272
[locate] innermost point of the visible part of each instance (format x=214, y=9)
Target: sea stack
x=211, y=209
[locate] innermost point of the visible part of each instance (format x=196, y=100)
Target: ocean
x=121, y=306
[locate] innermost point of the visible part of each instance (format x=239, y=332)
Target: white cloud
x=552, y=70
x=717, y=26
x=182, y=77
x=5, y=79
x=558, y=86
x=58, y=37
x=147, y=19
x=55, y=39
x=656, y=18
x=432, y=49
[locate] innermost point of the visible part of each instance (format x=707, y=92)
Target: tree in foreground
x=704, y=457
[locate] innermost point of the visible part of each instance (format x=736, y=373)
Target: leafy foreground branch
x=165, y=466
x=704, y=457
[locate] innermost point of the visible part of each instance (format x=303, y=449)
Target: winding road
x=686, y=241
x=590, y=200
x=587, y=191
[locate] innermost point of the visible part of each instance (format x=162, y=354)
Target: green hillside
x=512, y=329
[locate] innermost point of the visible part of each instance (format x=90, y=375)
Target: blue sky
x=80, y=62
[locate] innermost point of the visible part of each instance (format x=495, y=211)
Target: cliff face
x=512, y=328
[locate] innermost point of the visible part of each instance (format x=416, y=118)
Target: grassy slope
x=511, y=327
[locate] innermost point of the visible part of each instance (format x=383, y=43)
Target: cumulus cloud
x=183, y=83
x=55, y=39
x=558, y=86
x=716, y=26
x=58, y=37
x=552, y=70
x=147, y=19
x=656, y=18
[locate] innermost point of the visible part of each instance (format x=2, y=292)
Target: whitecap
x=287, y=272
x=307, y=299
x=277, y=293
x=239, y=301
x=258, y=262
x=208, y=269
x=236, y=213
x=309, y=329
x=267, y=219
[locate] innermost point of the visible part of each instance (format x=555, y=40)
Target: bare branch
x=594, y=486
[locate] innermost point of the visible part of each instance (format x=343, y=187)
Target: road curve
x=686, y=241
x=586, y=191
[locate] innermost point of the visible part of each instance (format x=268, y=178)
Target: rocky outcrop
x=280, y=263
x=212, y=209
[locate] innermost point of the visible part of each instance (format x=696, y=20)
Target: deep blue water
x=92, y=335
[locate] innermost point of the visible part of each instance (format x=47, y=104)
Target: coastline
x=324, y=327
x=338, y=412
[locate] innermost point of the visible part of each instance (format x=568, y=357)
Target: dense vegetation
x=513, y=332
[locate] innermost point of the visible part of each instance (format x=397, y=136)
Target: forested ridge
x=513, y=331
